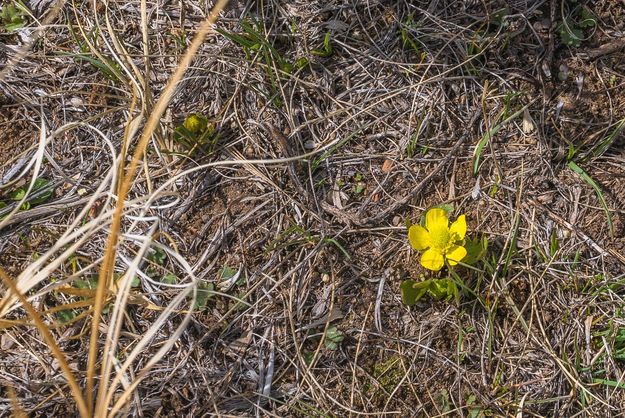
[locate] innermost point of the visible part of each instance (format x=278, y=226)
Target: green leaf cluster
x=13, y=16
x=41, y=191
x=334, y=337
x=194, y=132
x=445, y=288
x=326, y=49
x=571, y=29
x=439, y=289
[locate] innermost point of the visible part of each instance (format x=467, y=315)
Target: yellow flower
x=439, y=240
x=195, y=123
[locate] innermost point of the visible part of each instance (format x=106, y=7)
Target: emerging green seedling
x=326, y=50
x=333, y=338
x=571, y=29
x=13, y=16
x=41, y=191
x=194, y=132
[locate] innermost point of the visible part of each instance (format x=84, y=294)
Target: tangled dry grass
x=258, y=273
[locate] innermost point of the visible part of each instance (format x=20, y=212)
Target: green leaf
x=135, y=282
x=157, y=255
x=570, y=33
x=169, y=278
x=43, y=188
x=326, y=51
x=227, y=272
x=109, y=68
x=476, y=250
x=488, y=135
x=204, y=292
x=412, y=291
x=443, y=289
x=18, y=194
x=587, y=19
x=91, y=283
x=333, y=338
x=334, y=334
x=331, y=345
x=439, y=289
x=301, y=62
x=65, y=316
x=607, y=142
x=12, y=17
x=578, y=170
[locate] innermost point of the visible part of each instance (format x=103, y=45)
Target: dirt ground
x=333, y=126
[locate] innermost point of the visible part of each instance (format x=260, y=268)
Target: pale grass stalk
x=51, y=343
x=106, y=270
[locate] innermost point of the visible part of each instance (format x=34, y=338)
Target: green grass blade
x=579, y=171
x=607, y=142
x=477, y=154
x=108, y=69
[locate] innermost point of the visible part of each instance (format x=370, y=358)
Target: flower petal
x=419, y=238
x=456, y=254
x=436, y=218
x=459, y=227
x=432, y=259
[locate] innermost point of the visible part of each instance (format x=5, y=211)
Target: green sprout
x=12, y=16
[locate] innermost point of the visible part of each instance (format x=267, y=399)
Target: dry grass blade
x=52, y=345
x=17, y=410
x=106, y=271
x=222, y=229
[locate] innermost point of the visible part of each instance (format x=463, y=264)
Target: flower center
x=440, y=238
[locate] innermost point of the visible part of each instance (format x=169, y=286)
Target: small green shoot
x=157, y=258
x=408, y=40
x=105, y=64
x=488, y=135
x=475, y=411
x=65, y=316
x=334, y=337
x=326, y=49
x=297, y=235
x=157, y=255
x=603, y=145
x=13, y=16
x=554, y=244
x=413, y=144
x=359, y=184
x=580, y=172
x=571, y=29
x=169, y=278
x=195, y=132
x=439, y=289
x=41, y=192
x=205, y=291
x=227, y=272
x=255, y=45
x=476, y=248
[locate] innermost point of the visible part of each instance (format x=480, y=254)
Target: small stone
x=396, y=220
x=309, y=145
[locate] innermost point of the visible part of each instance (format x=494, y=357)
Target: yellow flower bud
x=195, y=123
